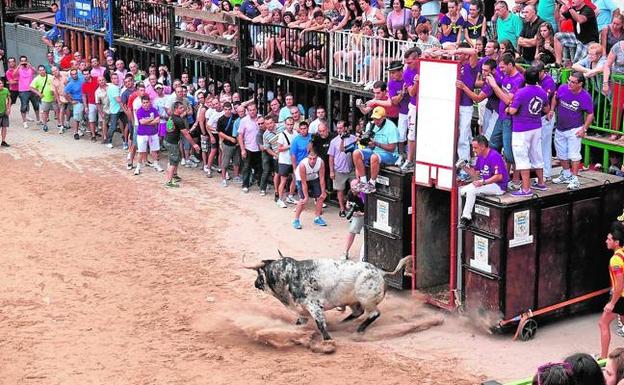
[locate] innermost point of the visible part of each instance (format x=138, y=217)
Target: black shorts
x=619, y=306
x=284, y=169
x=123, y=118
x=14, y=96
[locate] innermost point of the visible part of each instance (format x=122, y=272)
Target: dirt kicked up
x=108, y=278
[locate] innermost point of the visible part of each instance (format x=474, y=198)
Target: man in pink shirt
x=12, y=79
x=250, y=151
x=25, y=74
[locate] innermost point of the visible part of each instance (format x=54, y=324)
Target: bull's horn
x=280, y=253
x=256, y=266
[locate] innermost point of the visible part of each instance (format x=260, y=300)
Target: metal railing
x=89, y=15
x=269, y=45
x=143, y=20
x=203, y=40
x=26, y=6
x=361, y=60
x=608, y=109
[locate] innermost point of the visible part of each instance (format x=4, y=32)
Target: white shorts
x=93, y=113
x=403, y=123
x=527, y=149
x=144, y=140
x=411, y=122
x=568, y=145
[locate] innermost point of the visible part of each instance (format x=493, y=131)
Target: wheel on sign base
x=528, y=329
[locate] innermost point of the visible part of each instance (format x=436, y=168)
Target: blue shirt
x=387, y=134
x=73, y=88
x=112, y=91
x=235, y=127
x=299, y=147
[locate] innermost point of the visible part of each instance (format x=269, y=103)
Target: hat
x=159, y=85
x=395, y=65
x=378, y=113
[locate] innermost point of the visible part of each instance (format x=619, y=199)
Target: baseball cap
x=378, y=113
x=158, y=85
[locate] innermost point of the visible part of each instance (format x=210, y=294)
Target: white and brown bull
x=310, y=287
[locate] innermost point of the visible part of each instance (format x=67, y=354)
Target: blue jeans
x=501, y=138
x=112, y=127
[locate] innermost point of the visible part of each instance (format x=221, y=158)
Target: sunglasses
x=549, y=366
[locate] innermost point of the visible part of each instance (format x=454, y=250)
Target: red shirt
x=65, y=62
x=392, y=111
x=567, y=25
x=89, y=88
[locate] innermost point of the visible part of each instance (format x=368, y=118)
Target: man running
x=176, y=125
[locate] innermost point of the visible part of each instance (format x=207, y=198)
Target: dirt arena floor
x=109, y=278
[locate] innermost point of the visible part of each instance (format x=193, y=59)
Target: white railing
x=362, y=60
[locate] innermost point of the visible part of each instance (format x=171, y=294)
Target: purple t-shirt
x=571, y=108
x=394, y=88
x=456, y=27
x=548, y=84
x=468, y=75
x=147, y=129
x=510, y=85
x=491, y=165
x=342, y=161
x=492, y=100
x=408, y=78
x=530, y=101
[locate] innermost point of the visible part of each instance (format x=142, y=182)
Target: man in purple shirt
x=575, y=112
x=548, y=84
x=147, y=134
x=469, y=70
x=250, y=151
x=526, y=109
x=410, y=78
x=501, y=135
x=397, y=92
x=489, y=176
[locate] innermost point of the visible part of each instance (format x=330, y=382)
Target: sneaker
x=297, y=224
x=464, y=222
x=137, y=170
x=76, y=136
x=280, y=203
x=45, y=128
x=562, y=178
x=125, y=146
x=176, y=178
x=158, y=168
x=129, y=166
x=574, y=183
x=206, y=168
x=290, y=199
x=215, y=168
x=238, y=180
x=194, y=159
x=324, y=205
x=209, y=174
x=149, y=163
x=186, y=164
x=5, y=144
x=342, y=214
x=319, y=221
x=171, y=184
x=399, y=161
x=109, y=145
x=463, y=176
x=275, y=197
x=61, y=130
x=245, y=190
x=511, y=186
x=538, y=186
x=25, y=125
x=262, y=192
x=224, y=183
x=522, y=193
x=368, y=188
x=407, y=165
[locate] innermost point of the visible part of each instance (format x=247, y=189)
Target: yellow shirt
x=616, y=266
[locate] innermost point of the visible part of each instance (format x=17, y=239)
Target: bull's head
x=259, y=268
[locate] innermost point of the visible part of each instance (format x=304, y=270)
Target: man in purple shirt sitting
x=526, y=109
x=575, y=112
x=489, y=176
x=147, y=134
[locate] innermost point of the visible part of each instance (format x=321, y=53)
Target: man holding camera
x=489, y=176
x=340, y=163
x=380, y=141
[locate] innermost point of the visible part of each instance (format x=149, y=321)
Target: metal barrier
x=266, y=45
x=608, y=109
x=26, y=6
x=88, y=15
x=143, y=21
x=205, y=41
x=361, y=60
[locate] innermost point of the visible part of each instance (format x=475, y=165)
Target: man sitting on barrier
x=490, y=176
x=380, y=140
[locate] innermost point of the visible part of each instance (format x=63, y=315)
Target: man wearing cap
x=381, y=149
x=410, y=77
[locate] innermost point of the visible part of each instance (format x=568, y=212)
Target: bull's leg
x=356, y=311
x=372, y=316
x=316, y=311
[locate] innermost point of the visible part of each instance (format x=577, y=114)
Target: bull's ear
x=280, y=253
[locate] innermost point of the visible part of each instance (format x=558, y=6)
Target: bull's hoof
x=301, y=321
x=325, y=346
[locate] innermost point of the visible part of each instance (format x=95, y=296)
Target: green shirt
x=509, y=29
x=4, y=94
x=46, y=93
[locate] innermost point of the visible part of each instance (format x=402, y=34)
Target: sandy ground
x=109, y=278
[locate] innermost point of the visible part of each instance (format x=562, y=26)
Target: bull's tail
x=399, y=266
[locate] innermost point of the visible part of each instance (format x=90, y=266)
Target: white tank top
x=311, y=172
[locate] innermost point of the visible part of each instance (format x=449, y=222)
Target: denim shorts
x=174, y=152
x=384, y=157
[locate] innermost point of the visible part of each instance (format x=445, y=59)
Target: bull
x=312, y=286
